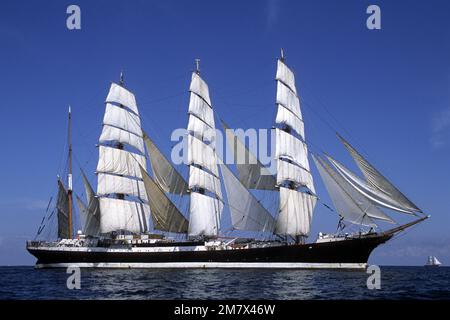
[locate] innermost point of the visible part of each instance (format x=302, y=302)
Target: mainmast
x=69, y=176
x=120, y=188
x=119, y=144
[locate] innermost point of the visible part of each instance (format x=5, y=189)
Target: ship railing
x=34, y=244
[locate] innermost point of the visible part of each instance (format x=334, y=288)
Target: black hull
x=347, y=252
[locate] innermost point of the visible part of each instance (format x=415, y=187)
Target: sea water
x=396, y=283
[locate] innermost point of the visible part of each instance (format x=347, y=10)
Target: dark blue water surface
x=396, y=283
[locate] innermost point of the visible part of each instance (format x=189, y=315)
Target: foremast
x=293, y=179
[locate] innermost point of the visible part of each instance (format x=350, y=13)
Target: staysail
x=247, y=213
x=164, y=172
x=252, y=174
x=90, y=213
x=377, y=180
x=62, y=207
x=349, y=204
x=205, y=204
x=296, y=206
x=165, y=215
x=373, y=195
x=118, y=169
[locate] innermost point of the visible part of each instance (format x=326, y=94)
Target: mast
x=294, y=179
x=197, y=66
x=205, y=191
x=120, y=188
x=119, y=144
x=69, y=176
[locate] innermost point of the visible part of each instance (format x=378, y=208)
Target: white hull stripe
x=182, y=265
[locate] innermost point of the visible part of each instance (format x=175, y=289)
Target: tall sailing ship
x=432, y=262
x=132, y=219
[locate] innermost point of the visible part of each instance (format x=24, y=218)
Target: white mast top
x=197, y=66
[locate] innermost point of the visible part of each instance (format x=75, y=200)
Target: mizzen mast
x=69, y=177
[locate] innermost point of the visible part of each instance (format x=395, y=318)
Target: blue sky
x=386, y=90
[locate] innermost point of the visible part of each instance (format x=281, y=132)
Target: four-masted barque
x=128, y=221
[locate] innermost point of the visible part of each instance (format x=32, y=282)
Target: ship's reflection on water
x=396, y=283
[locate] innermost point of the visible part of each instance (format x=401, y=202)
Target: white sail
x=373, y=195
x=123, y=119
x=285, y=75
x=110, y=133
x=84, y=212
x=205, y=214
x=205, y=209
x=247, y=213
x=349, y=204
x=287, y=171
x=288, y=99
x=252, y=174
x=200, y=129
x=295, y=213
x=290, y=147
x=164, y=172
x=62, y=207
x=118, y=214
x=199, y=108
x=436, y=261
x=202, y=154
x=110, y=184
x=121, y=96
x=287, y=118
x=378, y=181
x=119, y=173
x=120, y=162
x=165, y=215
x=296, y=207
x=202, y=179
x=200, y=88
x=91, y=211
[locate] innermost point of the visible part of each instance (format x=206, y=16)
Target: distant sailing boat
x=432, y=262
x=131, y=218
